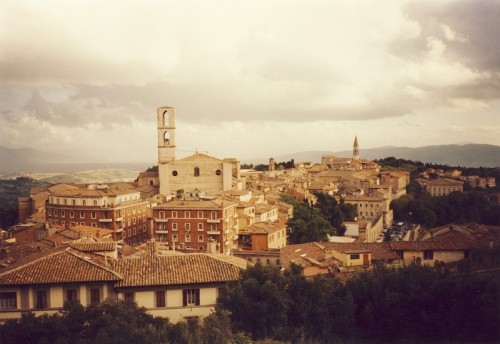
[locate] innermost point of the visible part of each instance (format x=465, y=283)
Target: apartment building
x=119, y=210
x=204, y=225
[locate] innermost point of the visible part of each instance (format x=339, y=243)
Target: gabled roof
x=213, y=204
x=154, y=270
x=61, y=267
x=100, y=246
x=429, y=245
x=379, y=251
x=199, y=157
x=267, y=227
x=444, y=182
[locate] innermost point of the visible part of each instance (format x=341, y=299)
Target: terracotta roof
x=261, y=208
x=266, y=227
x=154, y=270
x=60, y=267
x=296, y=254
x=380, y=251
x=444, y=182
x=92, y=231
x=197, y=158
x=94, y=246
x=196, y=204
x=92, y=193
x=430, y=245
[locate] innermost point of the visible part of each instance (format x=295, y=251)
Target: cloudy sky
x=252, y=78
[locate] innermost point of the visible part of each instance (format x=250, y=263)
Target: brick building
x=122, y=211
x=205, y=225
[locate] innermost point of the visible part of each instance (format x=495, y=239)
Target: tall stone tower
x=355, y=149
x=165, y=118
x=272, y=164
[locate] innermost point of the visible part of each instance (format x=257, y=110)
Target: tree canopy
x=410, y=305
x=307, y=224
x=456, y=207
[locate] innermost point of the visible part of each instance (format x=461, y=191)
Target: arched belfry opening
x=166, y=134
x=166, y=119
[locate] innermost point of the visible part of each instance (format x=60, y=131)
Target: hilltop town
x=172, y=239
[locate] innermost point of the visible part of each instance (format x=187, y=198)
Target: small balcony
x=106, y=220
x=213, y=220
x=118, y=219
x=161, y=220
x=213, y=232
x=161, y=231
x=119, y=230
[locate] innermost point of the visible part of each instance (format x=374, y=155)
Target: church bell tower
x=355, y=149
x=166, y=134
x=165, y=117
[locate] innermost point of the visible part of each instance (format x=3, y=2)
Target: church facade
x=195, y=174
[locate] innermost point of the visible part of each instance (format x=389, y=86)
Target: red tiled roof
x=60, y=267
x=93, y=246
x=379, y=251
x=153, y=270
x=430, y=245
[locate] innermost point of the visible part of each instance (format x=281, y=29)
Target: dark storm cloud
x=474, y=42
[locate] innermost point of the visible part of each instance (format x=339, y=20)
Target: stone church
x=194, y=175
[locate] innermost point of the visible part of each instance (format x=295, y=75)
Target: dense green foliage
x=307, y=224
x=153, y=168
x=117, y=322
x=417, y=167
x=419, y=207
x=412, y=304
x=336, y=213
x=315, y=223
x=409, y=305
x=10, y=191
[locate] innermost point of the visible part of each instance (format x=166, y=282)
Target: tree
x=307, y=224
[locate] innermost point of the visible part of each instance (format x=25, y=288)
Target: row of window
x=8, y=300
x=366, y=205
x=85, y=202
x=134, y=220
x=196, y=172
x=187, y=226
x=187, y=238
x=65, y=201
x=93, y=214
x=132, y=210
x=190, y=297
x=41, y=297
x=72, y=223
x=137, y=240
x=187, y=214
x=134, y=231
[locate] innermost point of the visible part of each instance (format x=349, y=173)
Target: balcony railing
x=213, y=232
x=161, y=231
x=119, y=230
x=161, y=220
x=118, y=219
x=105, y=220
x=213, y=220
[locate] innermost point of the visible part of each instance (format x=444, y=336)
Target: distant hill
x=28, y=160
x=91, y=176
x=467, y=155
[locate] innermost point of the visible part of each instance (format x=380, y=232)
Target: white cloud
x=279, y=75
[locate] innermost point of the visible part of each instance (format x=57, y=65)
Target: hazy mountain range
x=29, y=160
x=467, y=155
